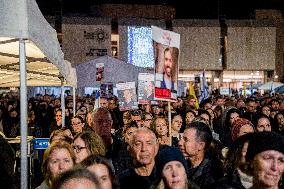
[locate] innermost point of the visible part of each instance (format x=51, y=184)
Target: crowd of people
x=223, y=142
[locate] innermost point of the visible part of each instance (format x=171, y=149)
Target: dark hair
x=250, y=100
x=191, y=112
x=75, y=173
x=228, y=114
x=93, y=159
x=263, y=116
x=234, y=155
x=273, y=100
x=129, y=125
x=206, y=101
x=203, y=133
x=202, y=111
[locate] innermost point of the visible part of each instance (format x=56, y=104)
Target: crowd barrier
x=35, y=151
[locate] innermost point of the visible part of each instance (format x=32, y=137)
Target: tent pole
x=62, y=101
x=23, y=113
x=74, y=101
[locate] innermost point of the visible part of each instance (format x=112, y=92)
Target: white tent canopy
x=271, y=85
x=23, y=19
x=27, y=46
x=115, y=71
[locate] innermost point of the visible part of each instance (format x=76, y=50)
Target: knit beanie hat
x=167, y=154
x=263, y=141
x=236, y=126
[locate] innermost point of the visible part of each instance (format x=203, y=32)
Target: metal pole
x=74, y=101
x=23, y=113
x=170, y=121
x=62, y=102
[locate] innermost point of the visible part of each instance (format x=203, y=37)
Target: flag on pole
x=97, y=102
x=192, y=92
x=204, y=88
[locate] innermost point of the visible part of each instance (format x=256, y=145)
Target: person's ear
x=201, y=146
x=156, y=148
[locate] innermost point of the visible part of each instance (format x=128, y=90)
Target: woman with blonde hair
x=160, y=128
x=57, y=158
x=87, y=143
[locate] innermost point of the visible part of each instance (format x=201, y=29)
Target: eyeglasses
x=78, y=149
x=148, y=119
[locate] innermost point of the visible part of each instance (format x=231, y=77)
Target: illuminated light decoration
x=140, y=47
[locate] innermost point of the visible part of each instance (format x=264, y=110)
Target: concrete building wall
x=84, y=39
x=277, y=19
x=251, y=45
x=200, y=44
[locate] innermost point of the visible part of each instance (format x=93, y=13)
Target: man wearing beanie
x=173, y=168
x=265, y=154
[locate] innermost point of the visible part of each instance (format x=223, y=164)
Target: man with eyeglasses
x=77, y=124
x=147, y=121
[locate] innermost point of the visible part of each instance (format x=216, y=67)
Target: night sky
x=203, y=9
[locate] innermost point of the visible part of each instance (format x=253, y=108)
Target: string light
x=140, y=46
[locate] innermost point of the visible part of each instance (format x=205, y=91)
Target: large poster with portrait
x=127, y=96
x=145, y=88
x=99, y=71
x=166, y=53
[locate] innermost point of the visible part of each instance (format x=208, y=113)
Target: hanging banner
x=145, y=88
x=166, y=53
x=127, y=96
x=99, y=71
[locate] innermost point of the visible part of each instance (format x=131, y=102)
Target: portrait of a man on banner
x=166, y=54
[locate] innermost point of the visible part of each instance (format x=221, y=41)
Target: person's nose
x=61, y=165
x=274, y=165
x=181, y=142
x=143, y=147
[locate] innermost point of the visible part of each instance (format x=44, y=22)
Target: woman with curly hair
x=57, y=158
x=87, y=143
